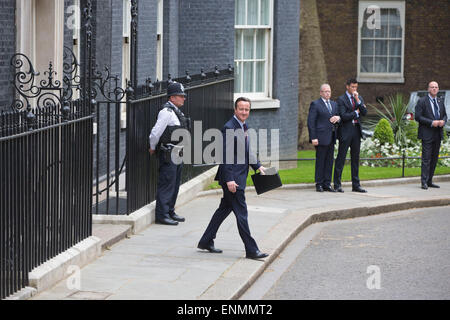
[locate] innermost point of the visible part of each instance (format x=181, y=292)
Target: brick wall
x=426, y=58
x=7, y=49
x=206, y=35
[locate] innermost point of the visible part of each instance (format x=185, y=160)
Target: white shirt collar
x=240, y=122
x=172, y=104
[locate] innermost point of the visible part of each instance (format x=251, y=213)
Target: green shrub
x=411, y=131
x=394, y=113
x=383, y=132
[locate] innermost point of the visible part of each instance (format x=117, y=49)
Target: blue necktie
x=245, y=131
x=329, y=107
x=436, y=110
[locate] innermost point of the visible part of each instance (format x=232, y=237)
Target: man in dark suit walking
x=323, y=121
x=232, y=176
x=431, y=115
x=351, y=109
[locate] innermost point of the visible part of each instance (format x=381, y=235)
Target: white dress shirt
x=166, y=118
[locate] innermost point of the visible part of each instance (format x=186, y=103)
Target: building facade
x=389, y=46
x=258, y=38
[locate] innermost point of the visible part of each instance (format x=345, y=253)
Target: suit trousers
x=430, y=155
x=324, y=165
x=169, y=179
x=354, y=143
x=231, y=202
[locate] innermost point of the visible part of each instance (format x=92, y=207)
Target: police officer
x=170, y=118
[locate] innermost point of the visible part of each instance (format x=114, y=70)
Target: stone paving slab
x=162, y=262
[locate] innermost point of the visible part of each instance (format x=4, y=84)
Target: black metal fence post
x=403, y=163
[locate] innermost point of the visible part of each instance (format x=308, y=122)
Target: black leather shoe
x=319, y=189
x=210, y=248
x=257, y=255
x=339, y=189
x=329, y=189
x=359, y=189
x=176, y=217
x=432, y=185
x=166, y=221
x=424, y=186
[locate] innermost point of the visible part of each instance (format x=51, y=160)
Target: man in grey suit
x=431, y=115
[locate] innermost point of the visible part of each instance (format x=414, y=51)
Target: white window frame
x=267, y=94
x=159, y=40
x=37, y=20
x=385, y=77
x=76, y=39
x=126, y=53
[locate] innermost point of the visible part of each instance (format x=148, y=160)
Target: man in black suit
x=323, y=120
x=232, y=176
x=431, y=115
x=351, y=109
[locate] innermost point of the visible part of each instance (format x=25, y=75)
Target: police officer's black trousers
x=168, y=185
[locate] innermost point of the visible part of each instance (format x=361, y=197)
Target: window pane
x=380, y=64
x=260, y=44
x=367, y=64
x=237, y=77
x=366, y=32
x=260, y=76
x=248, y=43
x=383, y=31
x=248, y=76
x=265, y=12
x=395, y=29
x=394, y=64
x=381, y=47
x=252, y=12
x=367, y=47
x=395, y=47
x=238, y=44
x=240, y=12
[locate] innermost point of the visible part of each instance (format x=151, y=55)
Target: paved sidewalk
x=162, y=262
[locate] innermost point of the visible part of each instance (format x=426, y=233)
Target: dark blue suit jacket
x=319, y=125
x=236, y=169
x=424, y=115
x=347, y=115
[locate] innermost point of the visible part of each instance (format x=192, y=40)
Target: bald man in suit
x=323, y=120
x=431, y=115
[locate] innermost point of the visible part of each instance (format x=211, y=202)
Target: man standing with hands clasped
x=431, y=115
x=232, y=177
x=323, y=120
x=351, y=109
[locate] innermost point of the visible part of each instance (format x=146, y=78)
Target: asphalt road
x=402, y=255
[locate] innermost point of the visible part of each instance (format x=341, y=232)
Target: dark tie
x=328, y=106
x=245, y=131
x=436, y=110
x=354, y=106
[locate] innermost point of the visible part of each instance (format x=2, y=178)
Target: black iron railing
x=45, y=189
x=209, y=100
x=404, y=159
